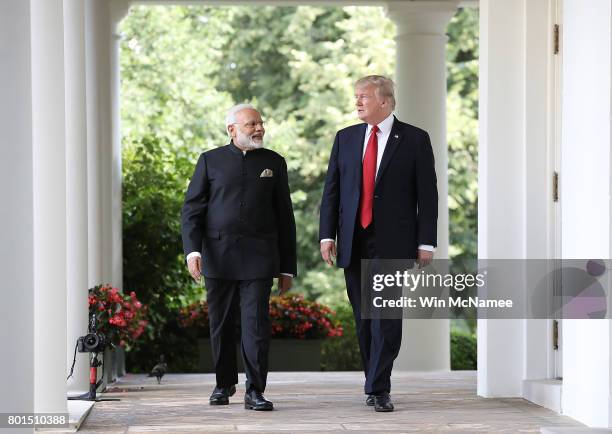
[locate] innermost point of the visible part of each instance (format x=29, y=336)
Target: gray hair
x=230, y=117
x=384, y=86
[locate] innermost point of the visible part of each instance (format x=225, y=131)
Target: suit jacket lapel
x=392, y=143
x=357, y=150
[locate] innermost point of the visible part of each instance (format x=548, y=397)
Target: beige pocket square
x=267, y=173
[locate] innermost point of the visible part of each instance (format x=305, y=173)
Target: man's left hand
x=424, y=257
x=284, y=284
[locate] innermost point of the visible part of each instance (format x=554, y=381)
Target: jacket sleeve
x=427, y=194
x=286, y=223
x=328, y=220
x=193, y=215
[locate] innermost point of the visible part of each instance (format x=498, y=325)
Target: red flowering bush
x=291, y=317
x=121, y=317
x=195, y=317
x=294, y=317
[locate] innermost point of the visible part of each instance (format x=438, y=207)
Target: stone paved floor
x=315, y=401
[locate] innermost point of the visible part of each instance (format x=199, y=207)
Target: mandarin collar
x=236, y=150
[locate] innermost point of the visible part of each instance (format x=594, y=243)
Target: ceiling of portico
x=466, y=3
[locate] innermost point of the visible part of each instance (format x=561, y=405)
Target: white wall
x=585, y=189
x=515, y=168
x=540, y=107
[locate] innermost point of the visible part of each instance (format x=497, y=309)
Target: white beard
x=246, y=142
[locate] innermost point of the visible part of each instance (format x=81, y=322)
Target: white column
x=104, y=150
x=76, y=190
x=49, y=224
x=501, y=182
x=585, y=198
x=17, y=210
x=99, y=138
x=421, y=100
x=119, y=9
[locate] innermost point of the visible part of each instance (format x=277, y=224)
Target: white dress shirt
x=384, y=130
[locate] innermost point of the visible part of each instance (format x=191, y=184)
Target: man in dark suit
x=239, y=231
x=380, y=201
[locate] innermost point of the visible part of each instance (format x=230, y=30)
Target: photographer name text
x=438, y=302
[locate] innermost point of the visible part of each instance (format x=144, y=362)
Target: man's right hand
x=328, y=251
x=195, y=268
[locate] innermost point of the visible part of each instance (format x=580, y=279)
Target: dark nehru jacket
x=238, y=214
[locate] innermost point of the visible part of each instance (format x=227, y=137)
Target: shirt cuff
x=193, y=255
x=427, y=247
x=287, y=274
x=328, y=239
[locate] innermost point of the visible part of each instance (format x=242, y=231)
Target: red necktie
x=368, y=178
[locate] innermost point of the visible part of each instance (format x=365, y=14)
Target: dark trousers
x=248, y=300
x=379, y=339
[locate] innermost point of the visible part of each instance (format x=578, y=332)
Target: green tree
x=462, y=115
x=462, y=124
x=300, y=73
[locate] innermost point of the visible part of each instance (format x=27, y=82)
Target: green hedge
x=463, y=351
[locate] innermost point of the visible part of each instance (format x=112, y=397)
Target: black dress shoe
x=220, y=395
x=370, y=400
x=383, y=403
x=254, y=400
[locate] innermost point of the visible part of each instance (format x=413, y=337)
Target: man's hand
x=424, y=257
x=284, y=284
x=195, y=268
x=328, y=251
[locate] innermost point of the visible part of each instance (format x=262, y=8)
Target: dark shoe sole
x=383, y=410
x=252, y=407
x=226, y=402
x=219, y=402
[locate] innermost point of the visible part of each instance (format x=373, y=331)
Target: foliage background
x=183, y=66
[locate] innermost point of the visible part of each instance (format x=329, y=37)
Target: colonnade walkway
x=316, y=402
